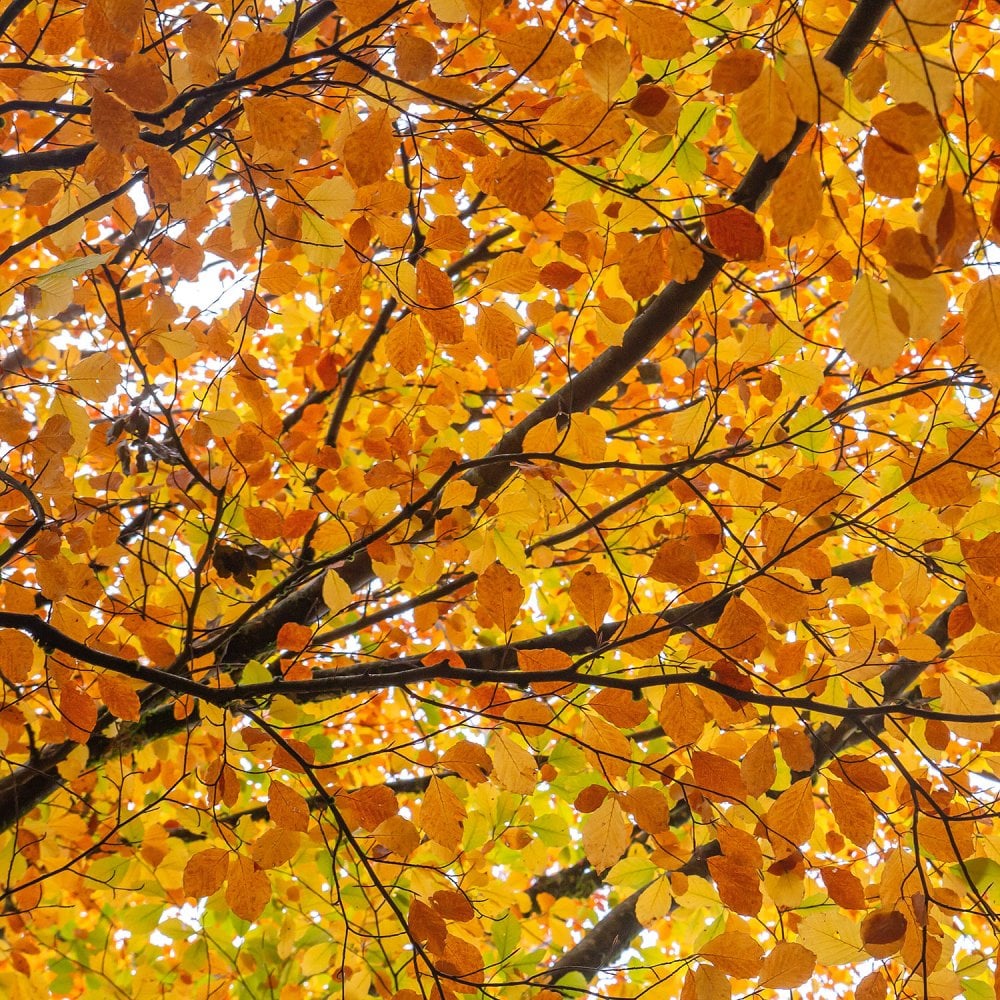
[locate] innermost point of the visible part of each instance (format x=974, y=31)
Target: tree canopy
x=499, y=499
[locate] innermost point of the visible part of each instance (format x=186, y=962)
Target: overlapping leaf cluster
x=499, y=499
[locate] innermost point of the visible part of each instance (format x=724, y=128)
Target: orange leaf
x=16, y=654
x=765, y=114
x=591, y=594
x=620, y=708
x=734, y=231
x=79, y=712
x=791, y=818
x=274, y=847
x=248, y=889
x=442, y=814
x=119, y=696
x=787, y=965
x=294, y=637
x=500, y=595
x=853, y=812
x=112, y=27
x=415, y=57
x=559, y=275
x=287, y=808
x=797, y=200
x=737, y=70
x=205, y=872
x=113, y=125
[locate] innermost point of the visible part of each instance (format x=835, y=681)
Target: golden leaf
x=765, y=114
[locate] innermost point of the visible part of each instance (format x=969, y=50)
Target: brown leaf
x=883, y=927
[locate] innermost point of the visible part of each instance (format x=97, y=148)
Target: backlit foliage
x=499, y=499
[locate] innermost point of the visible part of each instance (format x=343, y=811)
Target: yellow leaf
x=867, y=330
x=919, y=22
x=514, y=767
x=959, y=698
x=606, y=65
x=321, y=241
x=765, y=114
x=337, y=595
x=95, y=377
x=332, y=198
x=606, y=834
x=924, y=302
x=815, y=87
x=654, y=902
x=512, y=272
x=832, y=937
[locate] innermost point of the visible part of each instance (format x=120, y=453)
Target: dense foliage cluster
x=499, y=499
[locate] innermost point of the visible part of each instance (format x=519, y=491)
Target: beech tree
x=499, y=499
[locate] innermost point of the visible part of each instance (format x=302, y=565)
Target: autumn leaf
x=490, y=480
x=605, y=834
x=205, y=872
x=500, y=595
x=248, y=889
